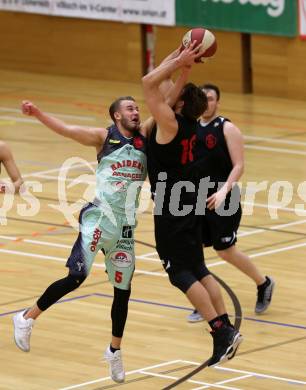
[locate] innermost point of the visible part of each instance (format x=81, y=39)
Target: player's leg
x=214, y=291
x=120, y=265
x=79, y=263
x=241, y=261
x=196, y=316
x=208, y=281
x=184, y=262
x=226, y=339
x=224, y=242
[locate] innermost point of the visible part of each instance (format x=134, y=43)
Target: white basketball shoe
x=22, y=331
x=116, y=369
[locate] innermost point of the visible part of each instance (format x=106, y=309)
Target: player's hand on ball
x=189, y=54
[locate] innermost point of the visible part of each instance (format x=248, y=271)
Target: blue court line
x=56, y=303
x=161, y=305
x=189, y=309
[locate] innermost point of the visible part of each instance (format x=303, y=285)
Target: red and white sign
x=302, y=18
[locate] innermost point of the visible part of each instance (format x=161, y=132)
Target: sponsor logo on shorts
x=166, y=264
x=96, y=237
x=127, y=232
x=121, y=259
x=126, y=245
x=228, y=240
x=80, y=265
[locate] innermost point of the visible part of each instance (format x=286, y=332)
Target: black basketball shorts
x=220, y=231
x=179, y=244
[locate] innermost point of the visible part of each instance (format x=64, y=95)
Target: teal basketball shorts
x=114, y=237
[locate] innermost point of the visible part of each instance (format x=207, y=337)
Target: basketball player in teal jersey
x=7, y=159
x=121, y=153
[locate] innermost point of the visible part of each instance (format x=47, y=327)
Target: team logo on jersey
x=210, y=141
x=114, y=141
x=138, y=143
x=121, y=259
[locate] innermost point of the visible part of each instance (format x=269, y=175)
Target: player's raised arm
x=85, y=135
x=155, y=100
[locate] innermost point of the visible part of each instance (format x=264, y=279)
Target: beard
x=130, y=125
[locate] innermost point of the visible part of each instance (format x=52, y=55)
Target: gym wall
x=279, y=66
x=69, y=46
x=113, y=51
x=225, y=69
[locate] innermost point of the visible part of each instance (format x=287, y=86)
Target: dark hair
x=195, y=101
x=213, y=87
x=114, y=107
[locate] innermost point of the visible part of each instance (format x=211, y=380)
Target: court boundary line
x=205, y=385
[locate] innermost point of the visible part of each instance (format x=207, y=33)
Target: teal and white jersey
x=122, y=168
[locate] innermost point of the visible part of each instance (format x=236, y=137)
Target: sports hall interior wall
x=278, y=64
x=113, y=51
x=69, y=46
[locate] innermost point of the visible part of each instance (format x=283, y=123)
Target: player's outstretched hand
x=28, y=108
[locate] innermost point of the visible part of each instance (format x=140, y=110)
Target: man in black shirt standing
x=219, y=135
x=178, y=232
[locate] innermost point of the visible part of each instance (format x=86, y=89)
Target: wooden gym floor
x=159, y=346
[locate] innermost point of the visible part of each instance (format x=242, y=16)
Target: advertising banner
x=302, y=18
x=271, y=17
x=134, y=11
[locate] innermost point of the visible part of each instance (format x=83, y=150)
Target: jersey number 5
x=118, y=277
x=187, y=152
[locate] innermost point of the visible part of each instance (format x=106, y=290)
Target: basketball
x=203, y=37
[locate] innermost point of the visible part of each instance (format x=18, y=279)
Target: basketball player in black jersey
x=218, y=134
x=7, y=159
x=178, y=232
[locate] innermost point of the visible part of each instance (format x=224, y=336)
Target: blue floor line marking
x=267, y=322
x=56, y=303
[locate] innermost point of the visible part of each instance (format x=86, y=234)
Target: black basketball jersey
x=173, y=158
x=210, y=142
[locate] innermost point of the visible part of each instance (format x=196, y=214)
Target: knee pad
x=182, y=280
